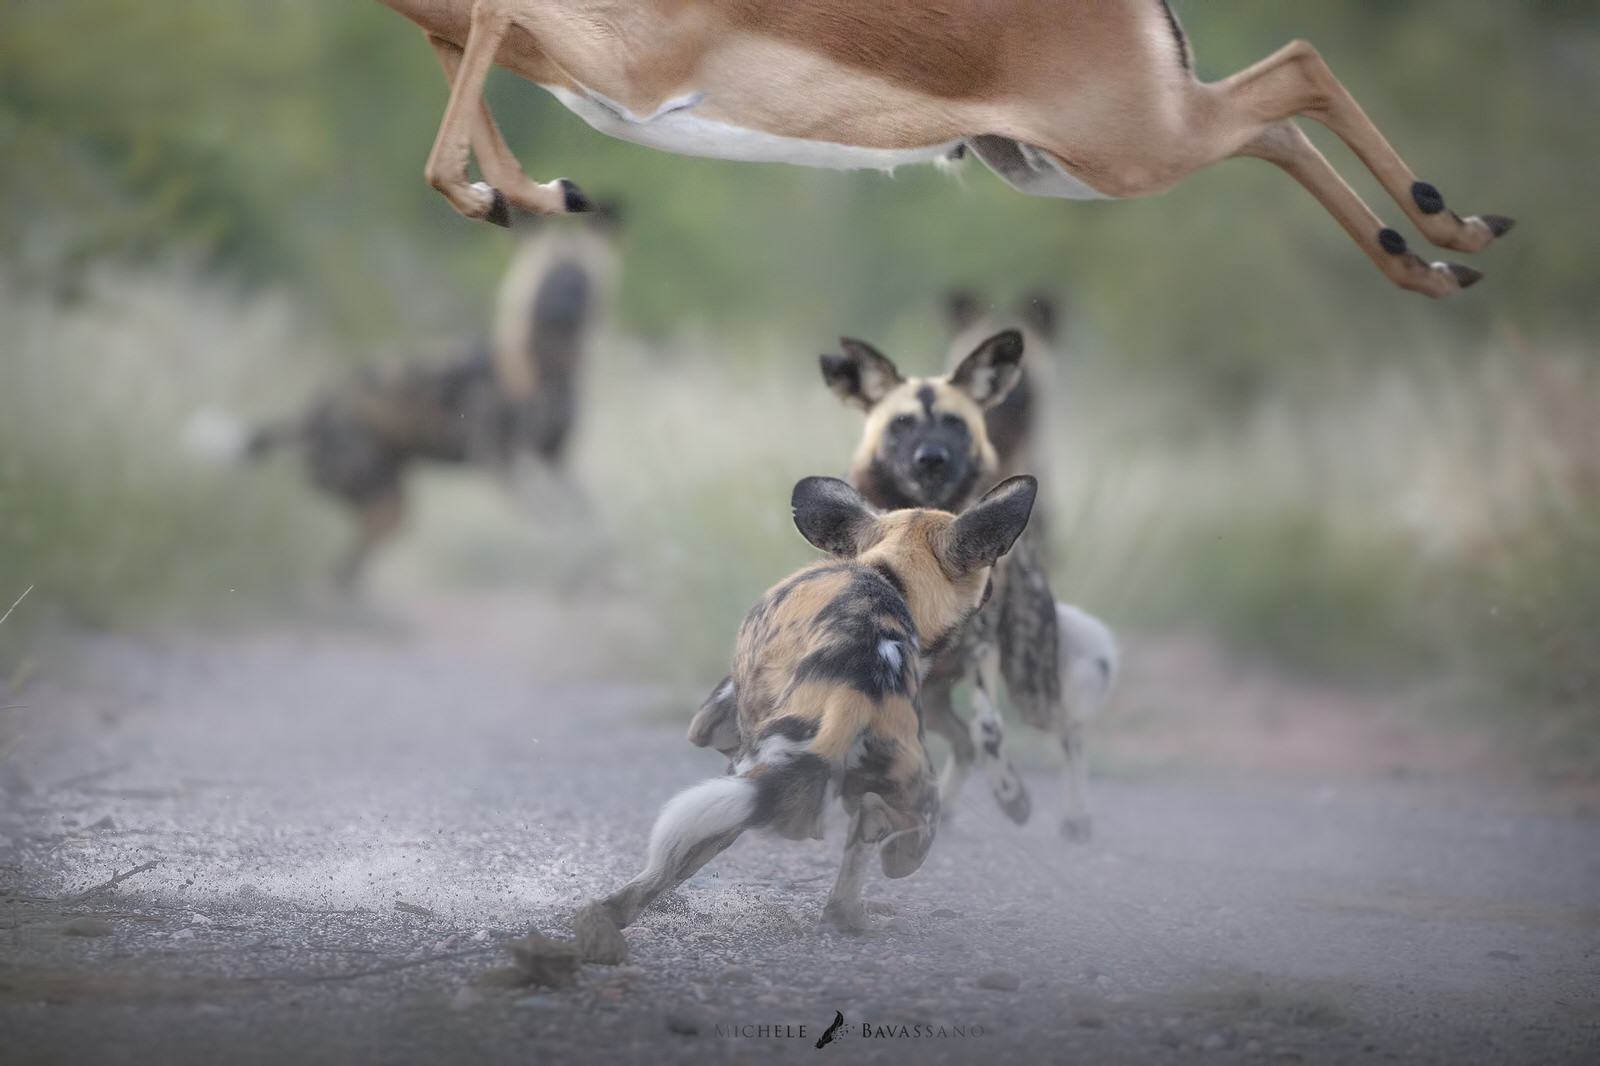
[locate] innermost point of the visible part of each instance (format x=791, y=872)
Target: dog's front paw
x=847, y=916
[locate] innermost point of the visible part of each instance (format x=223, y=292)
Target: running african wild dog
x=491, y=403
x=925, y=444
x=825, y=681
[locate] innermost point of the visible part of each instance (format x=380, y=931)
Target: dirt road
x=346, y=828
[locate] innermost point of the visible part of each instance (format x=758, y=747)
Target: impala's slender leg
x=446, y=169
x=500, y=167
x=1286, y=144
x=1296, y=81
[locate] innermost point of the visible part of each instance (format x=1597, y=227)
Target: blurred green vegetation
x=1228, y=455
x=284, y=140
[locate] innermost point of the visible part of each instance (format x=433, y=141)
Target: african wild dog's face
x=924, y=444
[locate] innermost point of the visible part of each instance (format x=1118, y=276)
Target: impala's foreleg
x=468, y=125
x=988, y=736
x=1296, y=81
x=1286, y=145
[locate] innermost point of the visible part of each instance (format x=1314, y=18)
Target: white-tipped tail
x=1089, y=661
x=216, y=437
x=705, y=811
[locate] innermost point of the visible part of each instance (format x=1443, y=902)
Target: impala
x=1080, y=99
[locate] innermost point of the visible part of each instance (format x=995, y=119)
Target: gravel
x=294, y=790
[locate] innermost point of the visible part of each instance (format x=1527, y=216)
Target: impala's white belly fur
x=674, y=127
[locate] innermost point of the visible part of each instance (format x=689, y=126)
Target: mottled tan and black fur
x=512, y=394
x=823, y=694
x=925, y=443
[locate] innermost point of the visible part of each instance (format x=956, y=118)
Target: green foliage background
x=283, y=140
x=272, y=150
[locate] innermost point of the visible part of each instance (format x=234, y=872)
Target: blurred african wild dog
x=511, y=395
x=1015, y=425
x=824, y=691
x=926, y=444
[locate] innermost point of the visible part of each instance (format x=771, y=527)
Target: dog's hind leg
x=376, y=522
x=988, y=737
x=693, y=828
x=785, y=792
x=1076, y=824
x=844, y=908
x=1089, y=663
x=939, y=716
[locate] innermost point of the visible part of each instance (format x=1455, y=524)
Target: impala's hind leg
x=468, y=125
x=1296, y=81
x=1286, y=145
x=988, y=736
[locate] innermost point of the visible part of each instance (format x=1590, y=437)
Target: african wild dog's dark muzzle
x=929, y=460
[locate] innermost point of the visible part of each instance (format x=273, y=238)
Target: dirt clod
x=553, y=963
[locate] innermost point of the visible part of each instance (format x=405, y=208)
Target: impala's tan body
x=1069, y=98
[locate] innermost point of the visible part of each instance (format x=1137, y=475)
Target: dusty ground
x=347, y=826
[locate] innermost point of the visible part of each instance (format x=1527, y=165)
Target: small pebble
x=1213, y=1042
x=683, y=1025
x=1000, y=981
x=944, y=912
x=739, y=975
x=1091, y=1021
x=538, y=1003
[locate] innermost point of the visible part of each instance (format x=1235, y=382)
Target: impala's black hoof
x=573, y=198
x=1465, y=276
x=1499, y=225
x=1390, y=240
x=499, y=212
x=1427, y=198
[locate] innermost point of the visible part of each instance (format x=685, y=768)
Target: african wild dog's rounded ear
x=986, y=530
x=833, y=516
x=992, y=370
x=861, y=376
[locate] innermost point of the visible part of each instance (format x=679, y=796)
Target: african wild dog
x=825, y=683
x=925, y=445
x=1015, y=425
x=495, y=400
